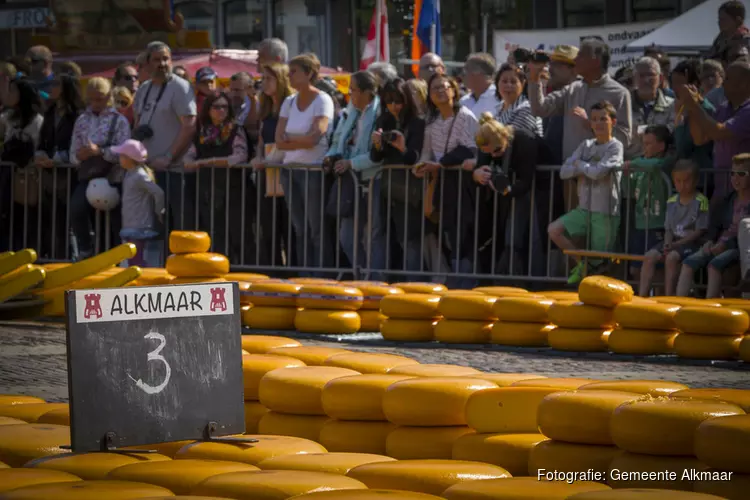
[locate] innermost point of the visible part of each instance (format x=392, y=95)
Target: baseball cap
x=205, y=73
x=135, y=150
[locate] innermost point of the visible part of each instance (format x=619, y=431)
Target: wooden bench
x=611, y=256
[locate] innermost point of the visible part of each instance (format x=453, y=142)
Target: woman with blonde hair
x=96, y=131
x=505, y=166
x=124, y=103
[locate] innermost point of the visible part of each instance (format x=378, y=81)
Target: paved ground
x=33, y=362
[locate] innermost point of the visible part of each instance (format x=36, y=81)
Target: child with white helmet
x=142, y=204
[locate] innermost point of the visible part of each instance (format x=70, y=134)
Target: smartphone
x=390, y=136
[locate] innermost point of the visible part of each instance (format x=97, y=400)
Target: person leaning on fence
x=650, y=106
x=595, y=165
x=685, y=223
x=397, y=141
x=720, y=252
x=514, y=108
x=142, y=205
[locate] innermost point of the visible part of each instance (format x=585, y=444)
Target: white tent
x=693, y=31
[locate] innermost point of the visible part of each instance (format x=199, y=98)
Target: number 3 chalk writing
x=155, y=356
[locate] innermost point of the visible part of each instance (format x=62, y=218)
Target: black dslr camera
x=142, y=132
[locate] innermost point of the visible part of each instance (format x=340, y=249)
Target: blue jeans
x=377, y=242
x=701, y=259
x=149, y=247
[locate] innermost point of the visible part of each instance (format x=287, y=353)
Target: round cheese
x=262, y=344
x=87, y=490
x=255, y=366
x=509, y=451
x=715, y=347
x=92, y=465
x=410, y=306
x=355, y=437
x=408, y=330
x=579, y=315
x=310, y=355
x=723, y=443
x=631, y=470
x=269, y=318
x=274, y=484
x=24, y=442
x=739, y=397
x=520, y=334
x=302, y=426
x=510, y=410
x=559, y=457
x=408, y=443
x=368, y=362
x=641, y=342
x=373, y=292
x=272, y=293
x=654, y=388
x=298, y=391
x=646, y=316
x=435, y=370
x=369, y=320
x=423, y=288
x=712, y=321
x=359, y=397
x=10, y=479
x=249, y=453
x=326, y=321
x=455, y=331
x=335, y=297
x=604, y=291
x=201, y=264
x=254, y=411
x=522, y=309
x=189, y=242
x=467, y=307
x=335, y=463
x=30, y=412
x=578, y=340
x=561, y=383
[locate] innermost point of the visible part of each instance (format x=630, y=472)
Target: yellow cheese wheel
x=712, y=321
x=11, y=479
x=561, y=295
x=559, y=457
x=664, y=426
x=519, y=488
x=359, y=397
x=424, y=288
x=313, y=281
x=205, y=264
x=456, y=331
x=645, y=316
x=424, y=476
x=501, y=291
x=271, y=293
x=510, y=410
x=520, y=334
x=651, y=387
x=246, y=277
x=462, y=293
x=310, y=355
x=180, y=476
x=60, y=416
x=29, y=412
x=189, y=242
x=366, y=495
x=604, y=291
x=522, y=309
x=298, y=390
x=355, y=437
x=428, y=402
x=739, y=397
x=326, y=321
x=435, y=370
x=410, y=443
x=467, y=307
x=11, y=421
x=373, y=292
x=694, y=346
x=369, y=320
x=153, y=280
x=168, y=449
x=686, y=301
x=361, y=283
x=251, y=453
x=632, y=470
x=578, y=340
x=567, y=314
x=723, y=443
x=189, y=280
x=87, y=490
x=369, y=362
x=506, y=379
x=262, y=344
x=254, y=411
x=269, y=318
x=255, y=366
x=274, y=484
x=410, y=306
x=335, y=297
x=642, y=493
x=509, y=451
x=408, y=330
x=18, y=399
x=301, y=426
x=581, y=416
x=92, y=465
x=24, y=442
x=744, y=353
x=728, y=488
x=561, y=383
x=641, y=342
x=335, y=463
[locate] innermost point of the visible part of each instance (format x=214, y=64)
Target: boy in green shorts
x=596, y=165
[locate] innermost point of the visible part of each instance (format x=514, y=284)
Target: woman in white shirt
x=301, y=135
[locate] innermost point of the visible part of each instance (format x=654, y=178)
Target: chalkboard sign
x=153, y=364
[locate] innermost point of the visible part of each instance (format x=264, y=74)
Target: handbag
x=97, y=166
x=20, y=150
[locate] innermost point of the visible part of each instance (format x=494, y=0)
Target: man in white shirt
x=478, y=71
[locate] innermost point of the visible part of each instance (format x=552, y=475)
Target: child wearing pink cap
x=142, y=205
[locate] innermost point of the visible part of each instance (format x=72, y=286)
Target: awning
x=693, y=31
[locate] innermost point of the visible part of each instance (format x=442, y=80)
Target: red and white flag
x=369, y=55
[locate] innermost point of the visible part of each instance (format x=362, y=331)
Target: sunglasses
x=130, y=78
x=739, y=173
x=122, y=104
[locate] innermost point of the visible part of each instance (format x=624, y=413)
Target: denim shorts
x=701, y=260
x=639, y=240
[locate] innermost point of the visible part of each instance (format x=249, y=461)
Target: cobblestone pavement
x=33, y=362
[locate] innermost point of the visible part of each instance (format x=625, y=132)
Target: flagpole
x=433, y=39
x=378, y=27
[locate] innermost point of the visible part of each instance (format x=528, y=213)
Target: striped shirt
x=519, y=116
x=436, y=134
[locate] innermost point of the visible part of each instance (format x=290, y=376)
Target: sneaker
x=577, y=274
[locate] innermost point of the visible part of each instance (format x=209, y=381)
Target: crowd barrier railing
x=300, y=219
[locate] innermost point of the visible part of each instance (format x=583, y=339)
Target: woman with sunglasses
x=218, y=145
x=124, y=103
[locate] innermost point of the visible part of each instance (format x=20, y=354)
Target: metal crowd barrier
x=299, y=233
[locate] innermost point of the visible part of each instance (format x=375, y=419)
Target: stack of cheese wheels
x=417, y=287
x=661, y=435
x=273, y=305
x=743, y=305
x=644, y=328
x=410, y=317
x=523, y=321
x=191, y=262
x=577, y=423
x=710, y=332
x=722, y=443
x=467, y=318
x=430, y=413
x=152, y=276
x=585, y=326
x=328, y=308
x=502, y=291
x=372, y=292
